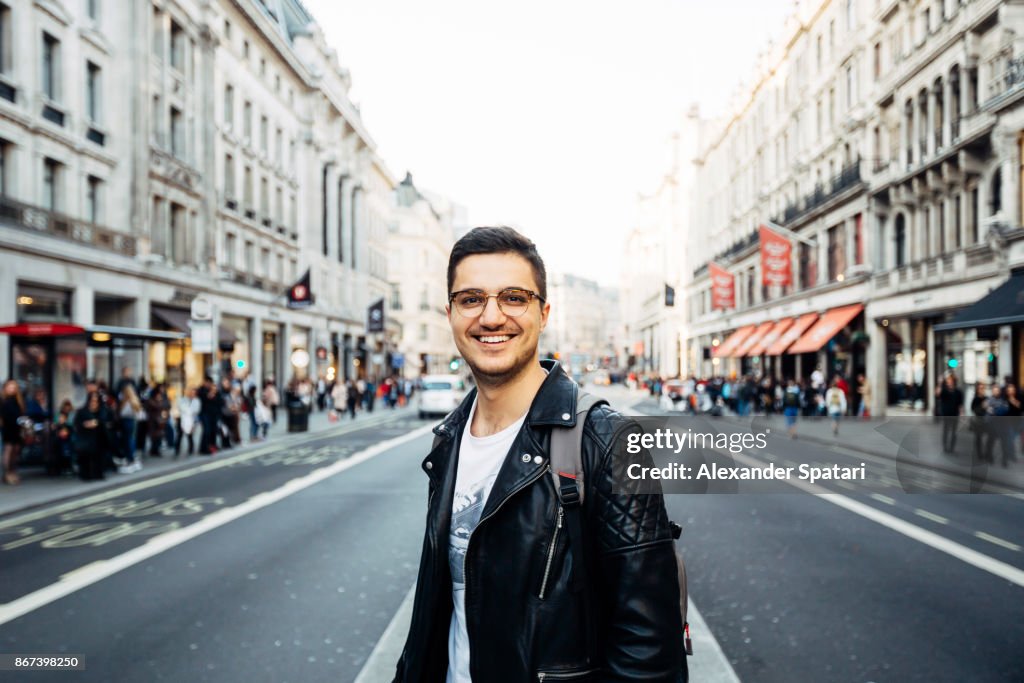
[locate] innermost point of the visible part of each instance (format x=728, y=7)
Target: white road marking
x=961, y=552
x=931, y=515
x=883, y=499
x=998, y=541
x=217, y=462
x=708, y=663
x=97, y=571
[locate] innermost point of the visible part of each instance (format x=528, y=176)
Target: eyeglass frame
x=488, y=297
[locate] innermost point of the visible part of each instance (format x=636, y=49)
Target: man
x=498, y=598
x=950, y=408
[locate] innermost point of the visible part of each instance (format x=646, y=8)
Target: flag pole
x=789, y=233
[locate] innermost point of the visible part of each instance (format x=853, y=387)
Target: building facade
x=420, y=238
x=159, y=153
x=883, y=140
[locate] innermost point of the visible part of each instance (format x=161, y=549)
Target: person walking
x=791, y=406
x=250, y=405
x=92, y=439
x=339, y=397
x=271, y=398
x=129, y=410
x=157, y=414
x=352, y=398
x=999, y=426
x=496, y=559
x=1014, y=415
x=210, y=411
x=864, y=396
x=12, y=410
x=189, y=409
x=950, y=405
x=835, y=404
x=980, y=424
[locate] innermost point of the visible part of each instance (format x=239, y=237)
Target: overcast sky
x=547, y=115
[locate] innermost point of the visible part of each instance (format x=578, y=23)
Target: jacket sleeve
x=638, y=584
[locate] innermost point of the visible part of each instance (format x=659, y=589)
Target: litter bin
x=298, y=416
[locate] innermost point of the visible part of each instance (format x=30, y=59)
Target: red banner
x=776, y=258
x=723, y=287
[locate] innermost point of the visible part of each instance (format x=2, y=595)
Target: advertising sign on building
x=776, y=258
x=723, y=287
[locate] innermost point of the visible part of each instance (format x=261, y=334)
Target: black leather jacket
x=514, y=634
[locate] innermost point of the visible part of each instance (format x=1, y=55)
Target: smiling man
x=498, y=598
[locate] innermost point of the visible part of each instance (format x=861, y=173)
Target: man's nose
x=492, y=315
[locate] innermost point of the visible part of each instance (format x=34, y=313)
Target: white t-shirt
x=480, y=458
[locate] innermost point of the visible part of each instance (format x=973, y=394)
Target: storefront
x=175, y=364
x=983, y=342
x=271, y=363
x=59, y=358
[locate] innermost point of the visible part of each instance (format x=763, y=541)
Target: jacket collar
x=554, y=404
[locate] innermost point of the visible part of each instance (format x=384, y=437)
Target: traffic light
x=240, y=364
x=454, y=364
x=952, y=363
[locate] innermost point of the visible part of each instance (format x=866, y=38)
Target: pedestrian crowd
x=113, y=426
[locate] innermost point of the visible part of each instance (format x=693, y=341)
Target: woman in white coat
x=188, y=410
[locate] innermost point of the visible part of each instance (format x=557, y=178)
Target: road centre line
x=97, y=571
x=939, y=519
x=883, y=499
x=998, y=541
x=961, y=552
x=216, y=463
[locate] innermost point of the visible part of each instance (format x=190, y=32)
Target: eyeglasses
x=513, y=302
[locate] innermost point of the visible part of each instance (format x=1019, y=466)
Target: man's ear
x=545, y=311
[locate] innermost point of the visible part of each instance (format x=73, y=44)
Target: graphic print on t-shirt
x=466, y=509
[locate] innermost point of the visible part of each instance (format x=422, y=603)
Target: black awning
x=173, y=318
x=1002, y=306
x=182, y=321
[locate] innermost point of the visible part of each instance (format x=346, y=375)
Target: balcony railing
x=848, y=177
x=37, y=219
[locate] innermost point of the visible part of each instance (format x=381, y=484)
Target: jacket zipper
x=551, y=552
x=568, y=676
x=469, y=544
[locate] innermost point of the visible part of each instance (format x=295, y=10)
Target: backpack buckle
x=568, y=490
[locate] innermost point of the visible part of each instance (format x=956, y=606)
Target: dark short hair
x=498, y=240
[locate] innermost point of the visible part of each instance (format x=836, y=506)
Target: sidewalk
x=37, y=489
x=905, y=439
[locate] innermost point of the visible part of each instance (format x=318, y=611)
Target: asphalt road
x=264, y=586
x=299, y=590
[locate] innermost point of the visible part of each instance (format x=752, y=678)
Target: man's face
x=511, y=342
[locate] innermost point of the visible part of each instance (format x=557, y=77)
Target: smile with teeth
x=496, y=339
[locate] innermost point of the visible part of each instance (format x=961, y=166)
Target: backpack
x=566, y=469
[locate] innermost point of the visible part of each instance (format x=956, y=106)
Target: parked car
x=440, y=394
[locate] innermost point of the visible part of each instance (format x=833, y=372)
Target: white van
x=440, y=394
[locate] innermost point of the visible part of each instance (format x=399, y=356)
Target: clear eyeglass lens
x=511, y=302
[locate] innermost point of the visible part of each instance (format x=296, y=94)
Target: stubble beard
x=497, y=378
